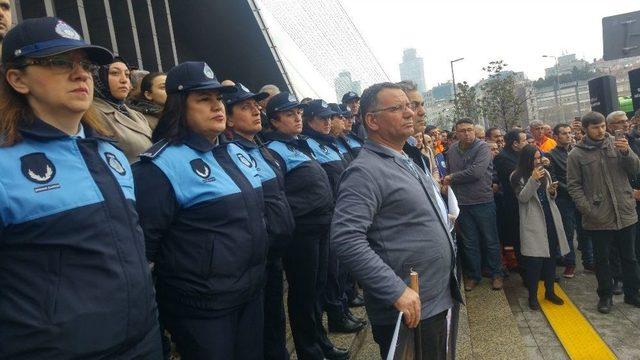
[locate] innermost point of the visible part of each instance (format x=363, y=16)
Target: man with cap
x=310, y=195
x=243, y=124
x=75, y=282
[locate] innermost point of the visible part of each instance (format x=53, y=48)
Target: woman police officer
x=244, y=123
x=310, y=195
x=201, y=209
x=75, y=282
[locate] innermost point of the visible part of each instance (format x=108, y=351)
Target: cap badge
x=292, y=98
x=208, y=72
x=63, y=29
x=244, y=88
x=324, y=104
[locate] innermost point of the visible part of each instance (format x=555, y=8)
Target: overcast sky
x=517, y=31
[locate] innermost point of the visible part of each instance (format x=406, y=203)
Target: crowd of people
x=134, y=216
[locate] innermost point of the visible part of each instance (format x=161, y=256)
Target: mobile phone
x=619, y=134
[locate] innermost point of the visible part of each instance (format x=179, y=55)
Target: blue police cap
x=242, y=94
x=336, y=108
x=191, y=76
x=345, y=111
x=349, y=96
x=319, y=108
x=48, y=36
x=282, y=102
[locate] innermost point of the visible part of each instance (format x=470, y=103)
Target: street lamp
x=453, y=78
x=557, y=87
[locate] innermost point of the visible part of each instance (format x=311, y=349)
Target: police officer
x=310, y=196
x=74, y=279
x=317, y=118
x=352, y=101
x=201, y=209
x=244, y=123
x=338, y=123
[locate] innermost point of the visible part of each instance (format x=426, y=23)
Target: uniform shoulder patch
x=155, y=150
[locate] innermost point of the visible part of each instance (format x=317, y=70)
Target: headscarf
x=101, y=85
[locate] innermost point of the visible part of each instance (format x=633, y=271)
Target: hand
x=495, y=188
x=409, y=304
x=447, y=180
x=545, y=161
x=537, y=173
x=553, y=188
x=622, y=145
x=636, y=195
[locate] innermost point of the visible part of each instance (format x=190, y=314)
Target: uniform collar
x=278, y=136
x=322, y=138
x=244, y=142
x=43, y=131
x=199, y=142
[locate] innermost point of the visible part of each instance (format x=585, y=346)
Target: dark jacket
x=278, y=216
x=75, y=282
x=306, y=183
x=505, y=163
x=471, y=172
x=416, y=155
x=202, y=212
x=598, y=182
x=150, y=110
x=634, y=143
x=347, y=153
x=558, y=169
x=355, y=142
x=326, y=152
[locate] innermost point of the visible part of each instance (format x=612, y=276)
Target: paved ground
x=620, y=329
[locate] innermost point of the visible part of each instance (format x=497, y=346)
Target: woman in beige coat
x=541, y=231
x=129, y=127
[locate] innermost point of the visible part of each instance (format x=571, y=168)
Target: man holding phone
x=598, y=172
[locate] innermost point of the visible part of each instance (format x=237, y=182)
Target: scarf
x=101, y=85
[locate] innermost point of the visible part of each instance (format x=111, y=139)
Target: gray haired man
x=390, y=219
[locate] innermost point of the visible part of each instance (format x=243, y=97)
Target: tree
x=501, y=102
x=467, y=104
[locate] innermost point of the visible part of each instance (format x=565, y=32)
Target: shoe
x=589, y=268
x=354, y=318
x=497, y=283
x=632, y=300
x=344, y=325
x=605, y=304
x=358, y=301
x=334, y=353
x=470, y=284
x=617, y=287
x=554, y=299
x=569, y=272
x=534, y=304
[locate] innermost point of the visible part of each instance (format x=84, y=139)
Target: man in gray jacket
x=598, y=172
x=389, y=219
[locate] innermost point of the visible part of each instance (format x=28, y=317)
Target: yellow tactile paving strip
x=578, y=337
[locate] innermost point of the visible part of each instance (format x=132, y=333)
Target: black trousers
x=434, y=337
x=536, y=268
x=275, y=340
x=623, y=241
x=234, y=334
x=334, y=293
x=305, y=264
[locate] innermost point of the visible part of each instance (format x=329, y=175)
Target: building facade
x=412, y=68
x=344, y=84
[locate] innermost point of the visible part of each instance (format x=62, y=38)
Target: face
x=321, y=124
x=522, y=141
x=479, y=133
x=288, y=122
x=619, y=123
x=53, y=89
x=337, y=125
x=494, y=149
x=205, y=113
x=537, y=159
x=157, y=94
x=245, y=118
x=119, y=80
x=418, y=104
x=354, y=106
x=494, y=135
x=564, y=136
x=392, y=118
x=547, y=131
x=5, y=17
x=537, y=131
x=348, y=124
x=428, y=141
x=465, y=133
x=597, y=131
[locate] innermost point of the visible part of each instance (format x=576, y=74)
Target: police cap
x=192, y=76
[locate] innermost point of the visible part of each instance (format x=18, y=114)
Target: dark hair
x=511, y=137
x=556, y=129
x=464, y=121
x=592, y=118
x=172, y=124
x=369, y=98
x=492, y=129
x=147, y=83
x=525, y=166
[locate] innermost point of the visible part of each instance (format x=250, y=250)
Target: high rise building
x=344, y=84
x=412, y=68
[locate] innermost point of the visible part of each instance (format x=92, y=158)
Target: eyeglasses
x=396, y=108
x=61, y=65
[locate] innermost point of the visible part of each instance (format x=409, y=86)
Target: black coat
x=505, y=163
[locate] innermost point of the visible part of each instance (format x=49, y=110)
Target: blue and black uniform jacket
x=347, y=153
x=202, y=213
x=354, y=142
x=306, y=184
x=280, y=223
x=326, y=151
x=73, y=276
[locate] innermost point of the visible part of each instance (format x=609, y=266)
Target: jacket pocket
x=51, y=297
x=433, y=274
x=208, y=259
